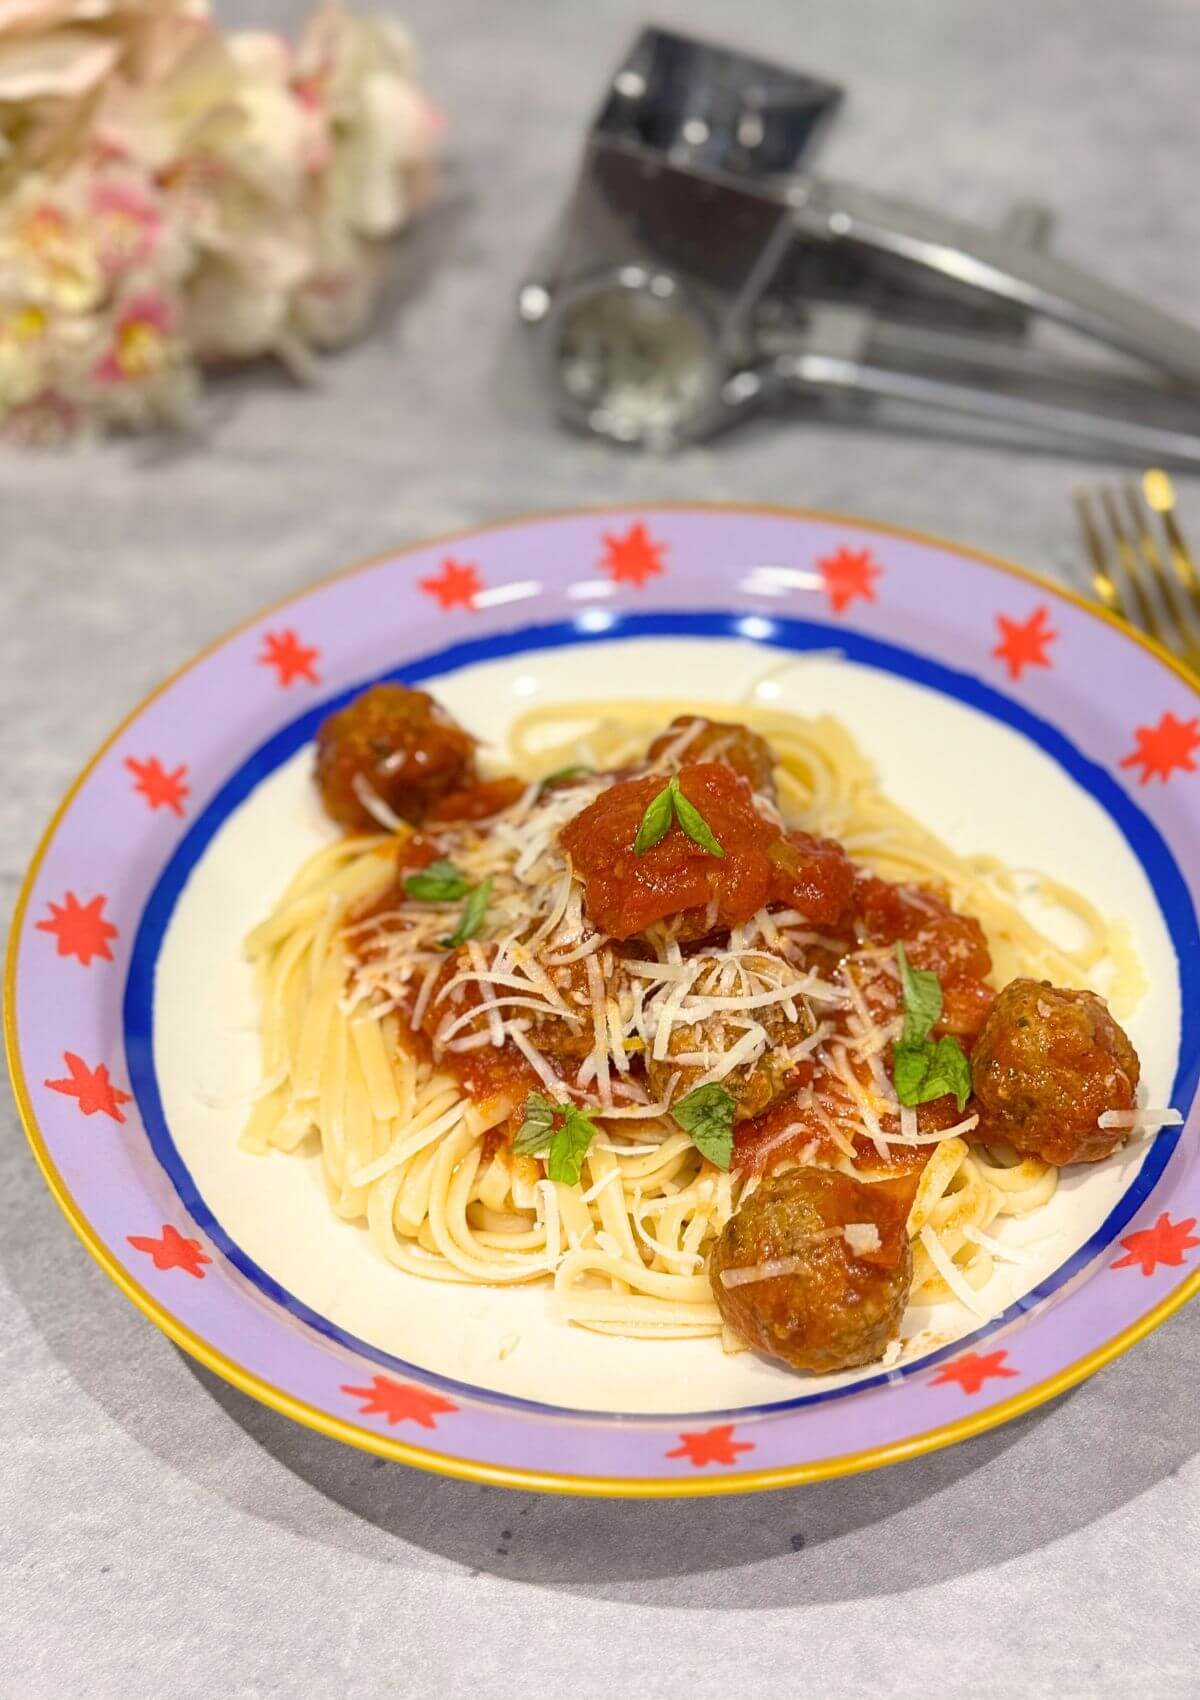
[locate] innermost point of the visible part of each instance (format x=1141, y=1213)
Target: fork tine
x=1160, y=494
x=1128, y=557
x=1102, y=581
x=1151, y=554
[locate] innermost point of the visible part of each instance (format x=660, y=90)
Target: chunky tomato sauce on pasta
x=654, y=1032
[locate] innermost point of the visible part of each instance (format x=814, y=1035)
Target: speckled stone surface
x=162, y=1535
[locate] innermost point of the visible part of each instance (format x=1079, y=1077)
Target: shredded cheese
x=1140, y=1121
x=862, y=1237
x=374, y=804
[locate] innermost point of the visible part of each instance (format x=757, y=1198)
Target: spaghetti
x=409, y=1062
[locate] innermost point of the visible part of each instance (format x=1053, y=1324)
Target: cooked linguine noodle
x=405, y=1148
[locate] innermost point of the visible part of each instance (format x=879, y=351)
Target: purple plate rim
x=730, y=1476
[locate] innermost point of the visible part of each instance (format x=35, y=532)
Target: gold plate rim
x=475, y=1470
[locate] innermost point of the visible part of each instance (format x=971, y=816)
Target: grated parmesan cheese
x=706, y=1013
x=1140, y=1121
x=774, y=1267
x=374, y=804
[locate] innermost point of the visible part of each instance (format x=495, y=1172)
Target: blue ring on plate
x=599, y=626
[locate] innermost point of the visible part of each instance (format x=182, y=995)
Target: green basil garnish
x=560, y=773
x=706, y=1116
x=667, y=804
x=440, y=882
x=565, y=1145
x=472, y=916
x=922, y=1069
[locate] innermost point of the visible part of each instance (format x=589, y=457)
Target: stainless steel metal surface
x=1025, y=401
x=997, y=264
x=699, y=263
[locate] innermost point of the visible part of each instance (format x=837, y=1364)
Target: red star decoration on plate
x=1164, y=748
x=162, y=790
x=400, y=1402
x=291, y=659
x=94, y=1090
x=633, y=557
x=172, y=1251
x=971, y=1370
x=1024, y=643
x=80, y=929
x=1165, y=1242
x=457, y=585
x=849, y=573
x=711, y=1446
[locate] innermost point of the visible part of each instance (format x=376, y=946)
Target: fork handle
x=1000, y=265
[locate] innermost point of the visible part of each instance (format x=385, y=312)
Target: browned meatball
x=724, y=741
x=950, y=945
x=832, y=1306
x=754, y=1086
x=1046, y=1066
x=565, y=1038
x=564, y=1041
x=396, y=743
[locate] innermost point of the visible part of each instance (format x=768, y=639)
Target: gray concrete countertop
x=162, y=1535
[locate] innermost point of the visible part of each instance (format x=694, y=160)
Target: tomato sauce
x=625, y=893
x=759, y=1140
x=491, y=1072
x=761, y=865
x=477, y=802
x=935, y=937
x=892, y=1201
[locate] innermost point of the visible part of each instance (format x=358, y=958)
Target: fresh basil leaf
x=569, y=1146
x=472, y=916
x=576, y=772
x=910, y=1064
x=922, y=993
x=440, y=882
x=924, y=1071
x=537, y=1129
x=692, y=821
x=706, y=1116
x=949, y=1071
x=656, y=822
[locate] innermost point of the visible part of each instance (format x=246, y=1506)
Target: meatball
x=396, y=743
x=754, y=1086
x=838, y=1298
x=718, y=740
x=564, y=1041
x=937, y=938
x=564, y=1036
x=1046, y=1066
x=625, y=893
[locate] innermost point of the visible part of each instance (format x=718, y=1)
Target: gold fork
x=1129, y=552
